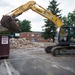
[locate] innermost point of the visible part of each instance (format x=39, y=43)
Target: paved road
x=36, y=62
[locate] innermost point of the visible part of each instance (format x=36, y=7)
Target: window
x=72, y=34
x=64, y=34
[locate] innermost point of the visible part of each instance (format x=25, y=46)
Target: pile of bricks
x=22, y=43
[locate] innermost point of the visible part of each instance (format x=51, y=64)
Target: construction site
x=29, y=58
x=29, y=53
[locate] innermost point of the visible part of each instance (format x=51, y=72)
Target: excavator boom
x=8, y=21
x=18, y=11
x=47, y=14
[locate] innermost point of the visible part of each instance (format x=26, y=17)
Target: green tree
x=50, y=27
x=24, y=26
x=69, y=19
x=64, y=19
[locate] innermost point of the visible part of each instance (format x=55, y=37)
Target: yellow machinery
x=65, y=38
x=8, y=21
x=39, y=9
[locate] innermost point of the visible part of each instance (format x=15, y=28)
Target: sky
x=37, y=21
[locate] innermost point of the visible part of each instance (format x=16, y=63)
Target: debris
x=22, y=43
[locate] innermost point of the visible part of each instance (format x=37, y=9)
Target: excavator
x=65, y=36
x=8, y=20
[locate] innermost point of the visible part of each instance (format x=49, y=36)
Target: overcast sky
x=37, y=21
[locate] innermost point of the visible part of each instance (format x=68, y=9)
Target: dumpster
x=4, y=46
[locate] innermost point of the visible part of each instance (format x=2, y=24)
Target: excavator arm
x=47, y=14
x=29, y=5
x=18, y=11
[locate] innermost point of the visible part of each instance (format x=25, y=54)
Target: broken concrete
x=22, y=43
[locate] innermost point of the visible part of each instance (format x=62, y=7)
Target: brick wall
x=33, y=36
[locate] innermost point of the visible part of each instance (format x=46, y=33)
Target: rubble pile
x=22, y=43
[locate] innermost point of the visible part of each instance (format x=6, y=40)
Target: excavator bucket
x=9, y=23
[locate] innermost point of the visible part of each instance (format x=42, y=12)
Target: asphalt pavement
x=34, y=61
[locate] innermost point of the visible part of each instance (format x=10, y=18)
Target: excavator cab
x=65, y=41
x=65, y=36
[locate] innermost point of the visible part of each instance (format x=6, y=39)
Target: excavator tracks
x=63, y=50
x=60, y=50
